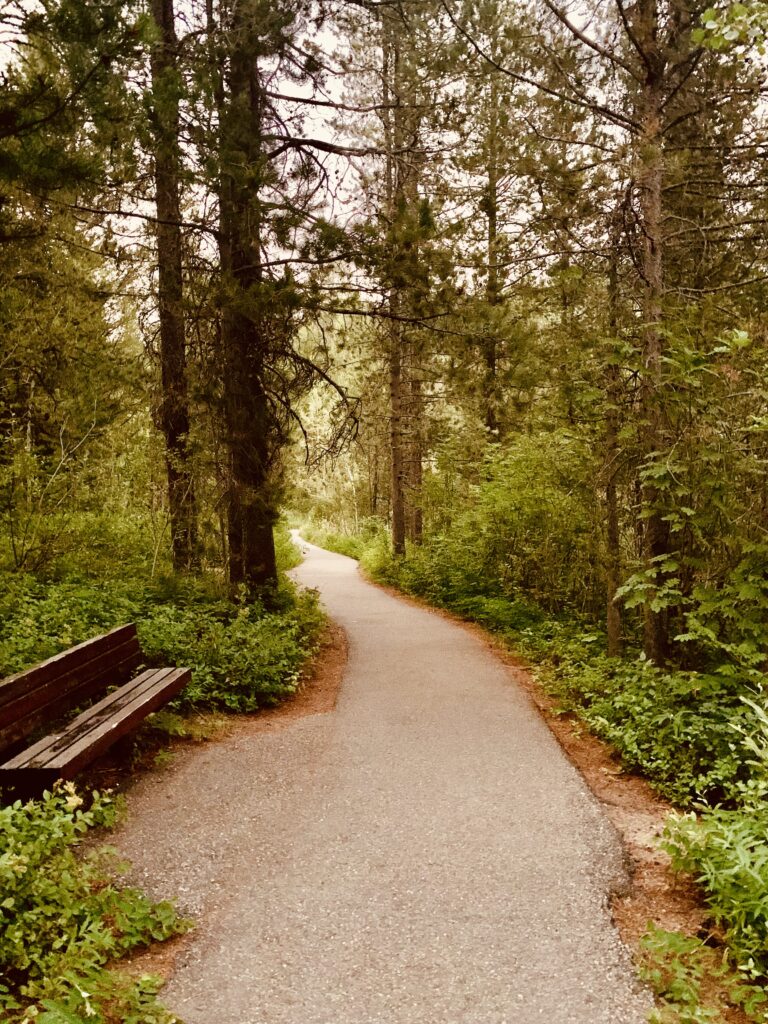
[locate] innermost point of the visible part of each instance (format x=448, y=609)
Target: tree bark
x=244, y=328
x=173, y=415
x=415, y=456
x=612, y=455
x=396, y=353
x=403, y=169
x=651, y=184
x=490, y=378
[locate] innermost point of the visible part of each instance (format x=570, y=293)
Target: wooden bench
x=33, y=701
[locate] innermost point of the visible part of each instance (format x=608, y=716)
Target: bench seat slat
x=36, y=755
x=22, y=716
x=123, y=719
x=63, y=754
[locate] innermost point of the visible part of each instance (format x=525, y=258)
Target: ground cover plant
x=354, y=545
x=244, y=655
x=65, y=923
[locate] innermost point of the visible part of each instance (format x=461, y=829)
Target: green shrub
x=38, y=619
x=680, y=971
x=288, y=555
x=523, y=528
x=726, y=849
x=242, y=658
x=676, y=728
x=63, y=918
x=352, y=545
x=727, y=853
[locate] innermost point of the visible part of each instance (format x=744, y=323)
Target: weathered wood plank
x=23, y=715
x=122, y=721
x=65, y=753
x=46, y=747
x=22, y=682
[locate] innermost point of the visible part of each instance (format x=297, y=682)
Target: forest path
x=423, y=855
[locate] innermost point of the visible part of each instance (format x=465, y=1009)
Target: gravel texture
x=423, y=855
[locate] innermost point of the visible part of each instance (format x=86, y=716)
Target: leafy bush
x=242, y=658
x=39, y=619
x=62, y=919
x=680, y=969
x=676, y=728
x=352, y=545
x=726, y=851
x=288, y=555
x=524, y=528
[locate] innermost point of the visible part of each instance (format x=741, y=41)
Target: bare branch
x=333, y=104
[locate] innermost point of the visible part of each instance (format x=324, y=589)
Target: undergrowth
x=243, y=655
x=695, y=983
x=65, y=923
x=352, y=545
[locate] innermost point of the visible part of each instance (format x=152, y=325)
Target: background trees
x=599, y=183
x=538, y=234
x=114, y=111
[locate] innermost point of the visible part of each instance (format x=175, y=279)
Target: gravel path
x=423, y=855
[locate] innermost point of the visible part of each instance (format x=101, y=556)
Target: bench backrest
x=42, y=693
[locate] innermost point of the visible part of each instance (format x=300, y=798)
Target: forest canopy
x=492, y=268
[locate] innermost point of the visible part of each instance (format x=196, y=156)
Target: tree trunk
x=490, y=378
x=403, y=168
x=247, y=414
x=415, y=454
x=173, y=416
x=651, y=185
x=393, y=134
x=612, y=455
x=396, y=440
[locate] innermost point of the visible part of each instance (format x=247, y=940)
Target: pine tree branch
x=333, y=104
x=576, y=32
x=595, y=108
x=631, y=35
x=296, y=142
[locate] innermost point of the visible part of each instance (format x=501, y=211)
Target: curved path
x=423, y=855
